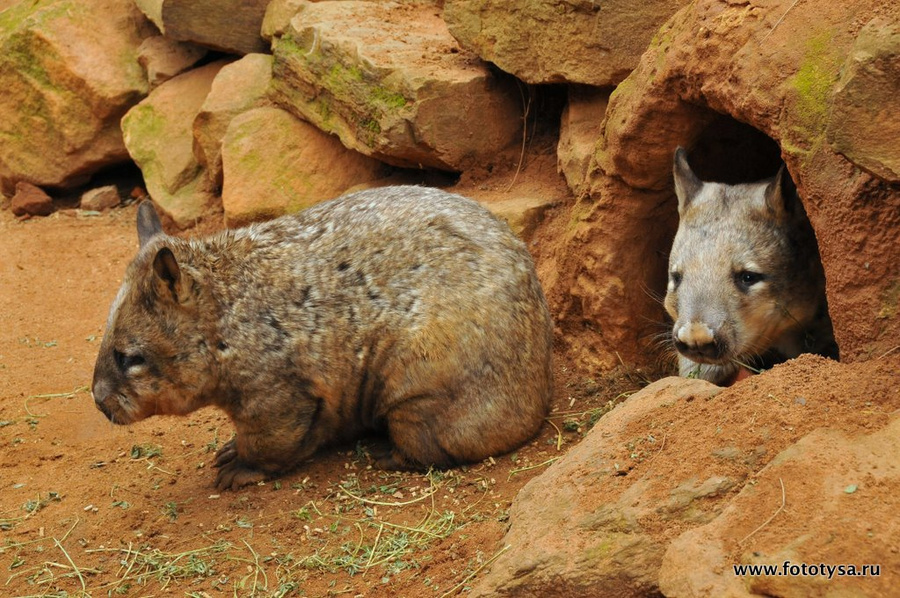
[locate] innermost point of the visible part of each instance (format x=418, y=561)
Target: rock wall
x=403, y=92
x=422, y=84
x=69, y=71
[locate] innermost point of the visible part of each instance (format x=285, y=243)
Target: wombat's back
x=439, y=294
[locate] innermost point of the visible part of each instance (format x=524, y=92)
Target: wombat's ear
x=687, y=185
x=171, y=283
x=148, y=224
x=781, y=195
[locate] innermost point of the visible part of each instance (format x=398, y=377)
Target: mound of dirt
x=685, y=480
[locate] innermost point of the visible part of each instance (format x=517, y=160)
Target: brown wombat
x=746, y=284
x=405, y=310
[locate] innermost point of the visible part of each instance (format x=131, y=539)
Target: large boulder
x=573, y=41
x=163, y=58
x=787, y=84
x=275, y=163
x=231, y=26
x=402, y=92
x=69, y=71
x=580, y=127
x=237, y=88
x=827, y=478
x=684, y=479
x=158, y=134
x=863, y=123
x=576, y=530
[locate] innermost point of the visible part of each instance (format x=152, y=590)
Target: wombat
x=746, y=286
x=403, y=310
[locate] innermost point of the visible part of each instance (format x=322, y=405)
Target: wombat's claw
x=390, y=460
x=234, y=475
x=226, y=454
x=379, y=451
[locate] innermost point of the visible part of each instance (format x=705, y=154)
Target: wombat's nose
x=694, y=333
x=99, y=392
x=104, y=410
x=697, y=341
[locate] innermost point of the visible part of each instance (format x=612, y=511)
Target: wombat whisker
x=655, y=323
x=662, y=340
x=787, y=313
x=658, y=298
x=744, y=365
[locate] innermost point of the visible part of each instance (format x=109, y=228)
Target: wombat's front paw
x=234, y=473
x=226, y=454
x=390, y=459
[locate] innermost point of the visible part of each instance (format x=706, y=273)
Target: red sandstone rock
x=402, y=92
x=573, y=41
x=67, y=79
x=30, y=200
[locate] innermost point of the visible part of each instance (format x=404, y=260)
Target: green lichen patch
x=342, y=78
x=387, y=98
x=332, y=90
x=814, y=83
x=19, y=52
x=25, y=15
x=143, y=122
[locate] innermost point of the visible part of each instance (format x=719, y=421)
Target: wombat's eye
x=746, y=278
x=675, y=277
x=125, y=362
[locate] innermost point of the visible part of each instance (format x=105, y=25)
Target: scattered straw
x=380, y=503
x=888, y=352
x=55, y=395
x=74, y=566
x=256, y=569
x=143, y=565
x=61, y=395
x=513, y=472
x=527, y=107
x=778, y=22
x=374, y=548
x=767, y=521
x=559, y=436
x=455, y=589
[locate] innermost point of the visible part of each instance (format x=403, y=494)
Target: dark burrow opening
x=729, y=151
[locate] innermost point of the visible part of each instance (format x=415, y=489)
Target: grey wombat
x=407, y=310
x=746, y=284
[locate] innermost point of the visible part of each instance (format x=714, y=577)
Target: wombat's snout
x=104, y=409
x=698, y=342
x=101, y=392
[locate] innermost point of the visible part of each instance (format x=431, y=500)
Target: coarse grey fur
x=405, y=310
x=746, y=284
